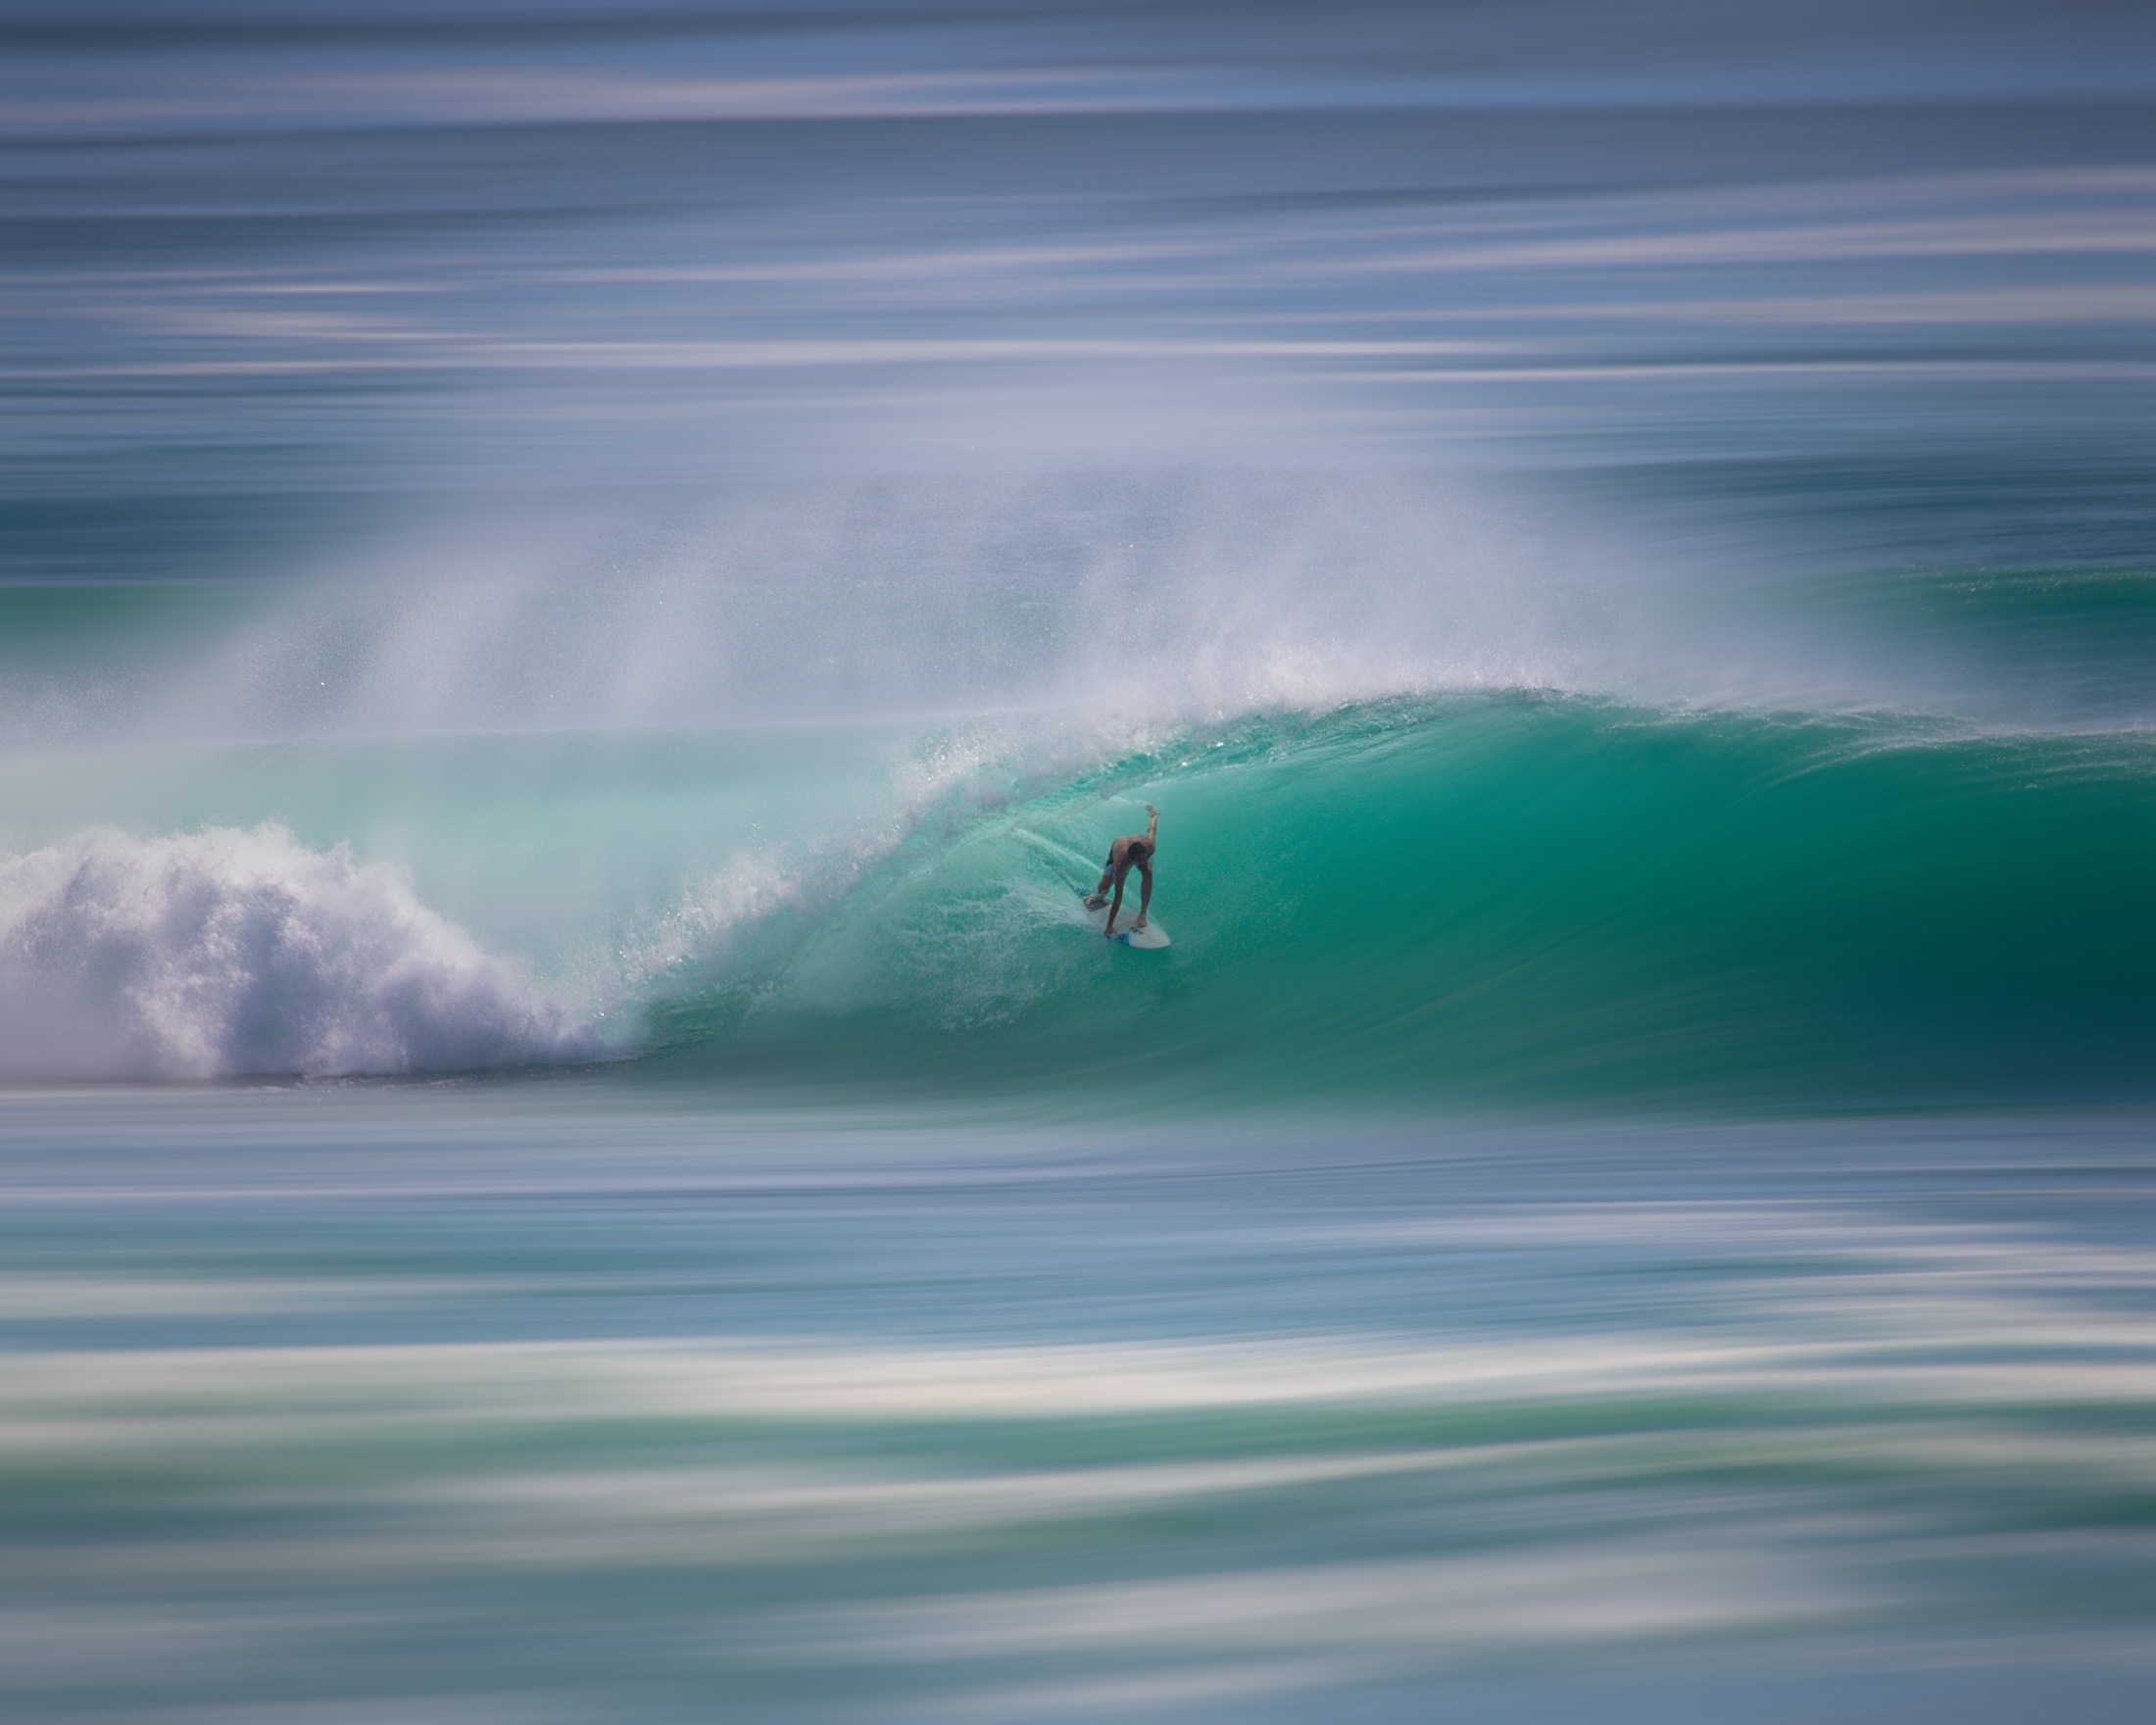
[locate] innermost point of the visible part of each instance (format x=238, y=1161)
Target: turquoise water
x=1536, y=900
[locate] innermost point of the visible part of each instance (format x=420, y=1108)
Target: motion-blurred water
x=556, y=1403
x=581, y=589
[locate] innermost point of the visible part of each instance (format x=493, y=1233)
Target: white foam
x=233, y=951
x=1201, y=595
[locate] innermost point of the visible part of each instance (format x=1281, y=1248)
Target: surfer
x=1135, y=852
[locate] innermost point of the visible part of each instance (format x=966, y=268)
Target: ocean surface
x=582, y=590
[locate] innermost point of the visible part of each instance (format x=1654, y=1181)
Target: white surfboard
x=1149, y=938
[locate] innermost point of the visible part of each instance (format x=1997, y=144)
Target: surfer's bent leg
x=1108, y=872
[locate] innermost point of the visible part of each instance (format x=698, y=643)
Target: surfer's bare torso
x=1133, y=851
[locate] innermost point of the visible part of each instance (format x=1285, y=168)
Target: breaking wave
x=233, y=952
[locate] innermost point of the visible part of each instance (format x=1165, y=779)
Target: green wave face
x=1501, y=901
